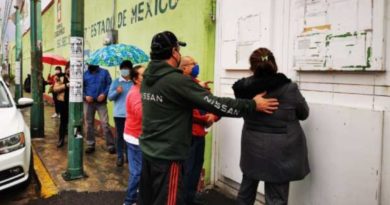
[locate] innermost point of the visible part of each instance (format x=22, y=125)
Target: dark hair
x=93, y=66
x=162, y=54
x=58, y=68
x=263, y=62
x=126, y=64
x=134, y=73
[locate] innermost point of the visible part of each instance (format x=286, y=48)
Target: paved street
x=28, y=196
x=105, y=184
x=20, y=195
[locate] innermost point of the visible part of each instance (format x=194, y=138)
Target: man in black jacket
x=168, y=98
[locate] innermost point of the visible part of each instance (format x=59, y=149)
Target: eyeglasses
x=190, y=64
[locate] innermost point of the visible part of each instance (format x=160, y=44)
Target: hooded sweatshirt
x=168, y=98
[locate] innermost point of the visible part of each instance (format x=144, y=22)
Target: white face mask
x=125, y=72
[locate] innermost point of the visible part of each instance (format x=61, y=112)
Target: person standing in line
x=133, y=130
x=168, y=98
x=61, y=88
x=97, y=83
x=200, y=122
x=273, y=147
x=51, y=79
x=117, y=93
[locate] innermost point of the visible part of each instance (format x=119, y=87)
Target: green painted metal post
x=75, y=139
x=37, y=117
x=18, y=56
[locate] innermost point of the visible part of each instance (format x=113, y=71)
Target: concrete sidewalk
x=103, y=174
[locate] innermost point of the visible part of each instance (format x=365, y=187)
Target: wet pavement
x=20, y=195
x=100, y=166
x=106, y=183
x=211, y=197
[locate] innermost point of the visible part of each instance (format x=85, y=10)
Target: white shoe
x=59, y=116
x=54, y=115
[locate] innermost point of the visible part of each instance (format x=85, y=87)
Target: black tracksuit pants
x=275, y=193
x=161, y=182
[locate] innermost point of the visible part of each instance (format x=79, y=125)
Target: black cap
x=165, y=40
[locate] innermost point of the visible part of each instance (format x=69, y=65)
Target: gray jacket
x=273, y=147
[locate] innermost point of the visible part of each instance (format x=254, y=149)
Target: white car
x=15, y=143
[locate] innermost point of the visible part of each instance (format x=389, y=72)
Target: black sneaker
x=90, y=150
x=119, y=162
x=111, y=150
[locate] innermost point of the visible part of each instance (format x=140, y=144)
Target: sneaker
x=119, y=162
x=90, y=150
x=59, y=116
x=54, y=115
x=111, y=150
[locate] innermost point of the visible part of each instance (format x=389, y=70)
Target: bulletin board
x=343, y=35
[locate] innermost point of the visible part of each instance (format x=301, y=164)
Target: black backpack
x=27, y=84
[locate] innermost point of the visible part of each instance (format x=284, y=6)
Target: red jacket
x=199, y=123
x=199, y=120
x=133, y=123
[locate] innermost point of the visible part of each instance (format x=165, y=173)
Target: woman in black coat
x=273, y=146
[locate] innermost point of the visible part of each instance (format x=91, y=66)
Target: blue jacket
x=96, y=83
x=119, y=98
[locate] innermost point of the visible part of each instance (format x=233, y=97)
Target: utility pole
x=75, y=127
x=18, y=55
x=37, y=117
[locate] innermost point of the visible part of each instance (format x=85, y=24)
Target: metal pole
x=75, y=127
x=37, y=117
x=18, y=56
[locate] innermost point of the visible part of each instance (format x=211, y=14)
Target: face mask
x=195, y=71
x=125, y=72
x=92, y=68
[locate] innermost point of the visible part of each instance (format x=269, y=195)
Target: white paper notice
x=76, y=69
x=76, y=91
x=77, y=47
x=18, y=71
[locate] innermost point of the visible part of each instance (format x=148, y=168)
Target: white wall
x=352, y=107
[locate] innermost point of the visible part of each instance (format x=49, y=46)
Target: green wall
x=190, y=20
x=137, y=21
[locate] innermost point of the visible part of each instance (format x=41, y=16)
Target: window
x=4, y=98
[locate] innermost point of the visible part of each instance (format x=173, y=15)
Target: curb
x=47, y=185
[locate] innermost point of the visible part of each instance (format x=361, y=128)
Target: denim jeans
x=119, y=141
x=135, y=165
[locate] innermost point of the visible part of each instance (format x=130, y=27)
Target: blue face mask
x=195, y=71
x=125, y=72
